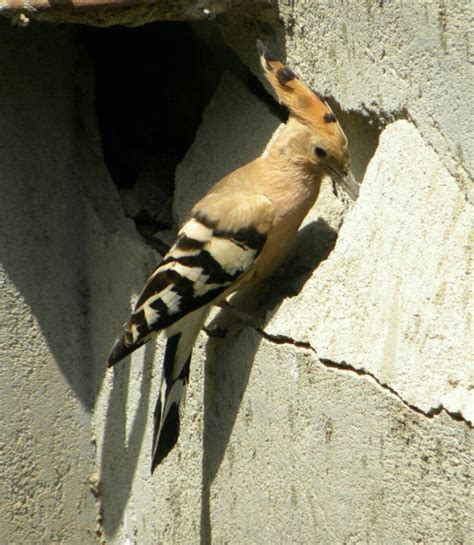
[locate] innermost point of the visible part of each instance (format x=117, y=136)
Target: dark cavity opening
x=152, y=84
x=363, y=130
x=149, y=101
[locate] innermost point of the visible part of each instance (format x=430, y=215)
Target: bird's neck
x=285, y=155
x=292, y=183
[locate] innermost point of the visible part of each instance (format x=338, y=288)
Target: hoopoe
x=236, y=236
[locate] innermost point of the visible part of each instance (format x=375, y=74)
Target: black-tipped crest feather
x=265, y=52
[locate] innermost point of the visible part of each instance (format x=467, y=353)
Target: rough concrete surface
x=240, y=141
x=317, y=455
x=46, y=388
x=402, y=258
x=385, y=58
x=348, y=423
x=106, y=13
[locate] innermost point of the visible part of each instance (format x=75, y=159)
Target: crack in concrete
x=344, y=366
x=94, y=484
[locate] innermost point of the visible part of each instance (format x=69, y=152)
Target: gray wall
x=352, y=421
x=45, y=350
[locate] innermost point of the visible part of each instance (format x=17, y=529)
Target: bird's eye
x=320, y=152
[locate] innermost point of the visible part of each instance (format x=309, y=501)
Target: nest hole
x=152, y=85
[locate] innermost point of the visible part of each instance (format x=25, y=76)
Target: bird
x=237, y=235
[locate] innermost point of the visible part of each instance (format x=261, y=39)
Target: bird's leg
x=215, y=331
x=253, y=321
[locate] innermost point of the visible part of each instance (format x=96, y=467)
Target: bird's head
x=314, y=133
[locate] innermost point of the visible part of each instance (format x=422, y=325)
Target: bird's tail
x=181, y=337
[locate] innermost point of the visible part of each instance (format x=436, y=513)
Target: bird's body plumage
x=235, y=236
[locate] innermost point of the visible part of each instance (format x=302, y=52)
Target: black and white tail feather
x=202, y=264
x=176, y=365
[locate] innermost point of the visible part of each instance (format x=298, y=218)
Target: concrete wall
x=69, y=259
x=46, y=387
x=351, y=422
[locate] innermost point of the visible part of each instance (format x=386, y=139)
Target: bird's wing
x=215, y=247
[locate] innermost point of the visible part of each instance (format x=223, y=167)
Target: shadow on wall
x=363, y=133
x=42, y=218
x=120, y=452
x=225, y=384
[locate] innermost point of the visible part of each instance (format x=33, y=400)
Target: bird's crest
x=308, y=106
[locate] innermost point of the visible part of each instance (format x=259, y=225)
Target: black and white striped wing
x=205, y=261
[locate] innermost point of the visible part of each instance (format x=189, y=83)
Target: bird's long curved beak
x=346, y=181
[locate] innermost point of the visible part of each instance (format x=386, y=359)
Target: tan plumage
x=237, y=235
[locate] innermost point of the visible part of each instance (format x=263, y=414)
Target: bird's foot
x=251, y=320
